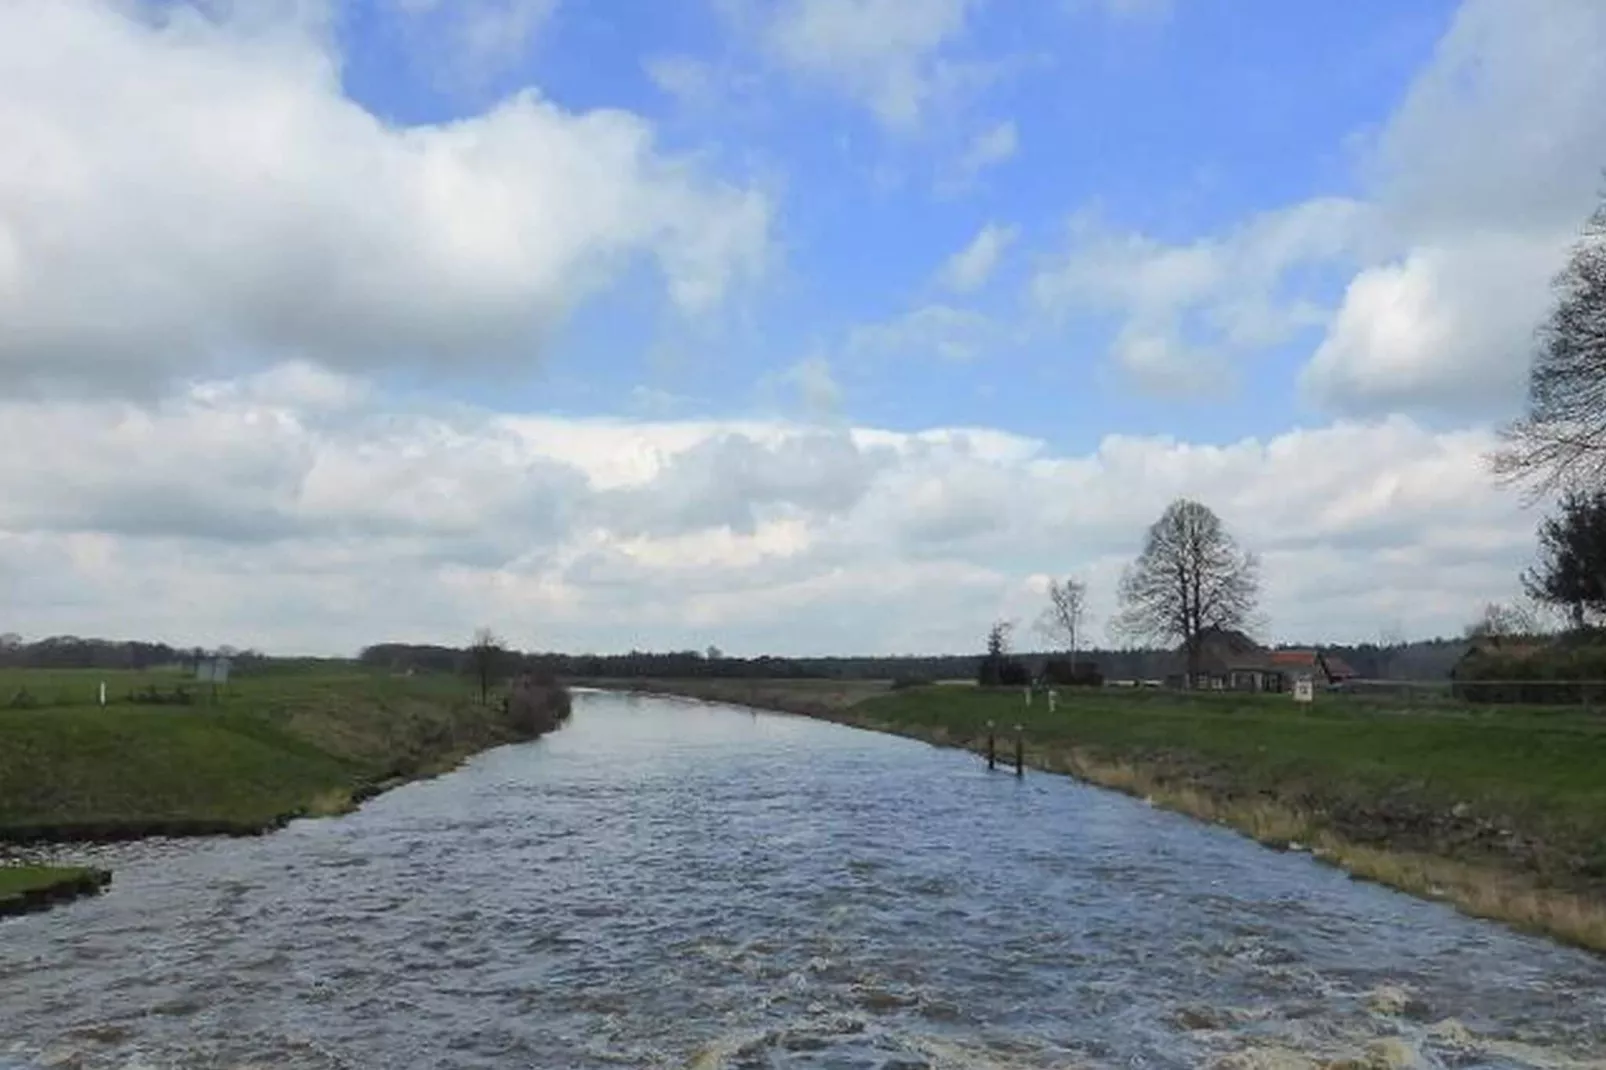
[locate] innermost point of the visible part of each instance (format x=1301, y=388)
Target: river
x=667, y=884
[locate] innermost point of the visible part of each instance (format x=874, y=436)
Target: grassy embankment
x=274, y=748
x=28, y=888
x=1501, y=812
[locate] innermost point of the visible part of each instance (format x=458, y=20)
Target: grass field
x=270, y=748
x=1501, y=811
x=25, y=888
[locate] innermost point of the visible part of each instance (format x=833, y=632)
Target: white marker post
x=103, y=692
x=1053, y=700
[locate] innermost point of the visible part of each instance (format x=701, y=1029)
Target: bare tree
x=1561, y=441
x=1191, y=576
x=1503, y=620
x=485, y=656
x=1062, y=619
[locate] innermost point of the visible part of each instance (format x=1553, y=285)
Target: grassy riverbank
x=1499, y=811
x=272, y=748
x=28, y=888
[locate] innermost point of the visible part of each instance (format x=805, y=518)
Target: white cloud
x=993, y=146
x=1482, y=179
x=971, y=267
x=1475, y=188
x=816, y=386
x=1449, y=326
x=1183, y=310
x=888, y=55
x=954, y=334
x=217, y=199
x=477, y=38
x=292, y=510
x=691, y=82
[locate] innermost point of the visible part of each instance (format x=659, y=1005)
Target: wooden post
x=1020, y=752
x=992, y=754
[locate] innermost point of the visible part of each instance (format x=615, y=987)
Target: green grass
x=14, y=880
x=24, y=888
x=272, y=747
x=1544, y=770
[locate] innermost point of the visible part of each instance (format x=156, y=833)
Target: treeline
x=77, y=652
x=1427, y=660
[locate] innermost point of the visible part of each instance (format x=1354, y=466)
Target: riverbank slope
x=1501, y=812
x=271, y=749
x=24, y=889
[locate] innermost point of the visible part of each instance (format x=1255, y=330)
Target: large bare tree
x=1062, y=619
x=1191, y=577
x=1560, y=442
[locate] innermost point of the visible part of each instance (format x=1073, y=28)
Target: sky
x=787, y=326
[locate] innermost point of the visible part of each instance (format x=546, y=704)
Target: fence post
x=1020, y=752
x=992, y=754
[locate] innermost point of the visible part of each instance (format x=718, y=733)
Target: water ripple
x=668, y=885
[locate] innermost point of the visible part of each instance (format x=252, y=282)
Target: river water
x=667, y=884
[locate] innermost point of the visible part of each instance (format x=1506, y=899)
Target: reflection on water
x=663, y=884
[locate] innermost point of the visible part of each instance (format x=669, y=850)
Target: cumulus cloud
x=1483, y=179
x=971, y=267
x=1184, y=310
x=216, y=200
x=933, y=330
x=476, y=39
x=1428, y=287
x=891, y=57
x=293, y=510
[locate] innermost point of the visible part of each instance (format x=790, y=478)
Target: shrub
x=1554, y=675
x=536, y=705
x=1014, y=674
x=901, y=683
x=1066, y=673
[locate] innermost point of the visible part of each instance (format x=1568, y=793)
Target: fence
x=1429, y=694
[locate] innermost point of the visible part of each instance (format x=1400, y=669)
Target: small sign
x=1304, y=689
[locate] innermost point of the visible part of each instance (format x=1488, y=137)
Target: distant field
x=270, y=747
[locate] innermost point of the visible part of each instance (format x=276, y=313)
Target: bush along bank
x=1501, y=814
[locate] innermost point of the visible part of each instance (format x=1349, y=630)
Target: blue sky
x=1172, y=121
x=785, y=325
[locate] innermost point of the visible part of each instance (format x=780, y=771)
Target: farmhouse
x=1231, y=661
